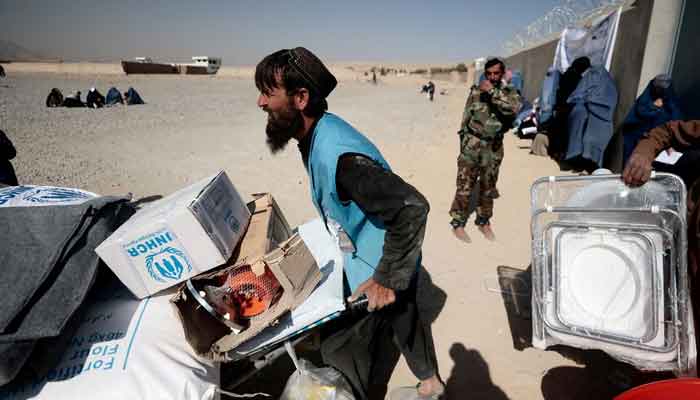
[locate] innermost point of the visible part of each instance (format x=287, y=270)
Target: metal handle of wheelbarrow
x=359, y=304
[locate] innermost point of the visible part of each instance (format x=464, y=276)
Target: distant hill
x=10, y=51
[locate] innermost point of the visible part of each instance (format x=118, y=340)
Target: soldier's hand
x=378, y=296
x=637, y=171
x=485, y=85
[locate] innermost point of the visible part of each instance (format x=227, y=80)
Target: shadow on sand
x=599, y=376
x=470, y=377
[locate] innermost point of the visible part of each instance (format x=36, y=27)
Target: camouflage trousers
x=478, y=160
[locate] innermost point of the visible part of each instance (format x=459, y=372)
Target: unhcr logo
x=169, y=263
x=160, y=254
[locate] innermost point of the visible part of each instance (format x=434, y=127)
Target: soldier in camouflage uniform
x=488, y=114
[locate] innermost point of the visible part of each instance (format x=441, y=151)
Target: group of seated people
x=574, y=115
x=94, y=98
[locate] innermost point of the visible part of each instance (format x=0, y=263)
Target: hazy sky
x=242, y=31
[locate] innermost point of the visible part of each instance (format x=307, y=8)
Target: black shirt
x=384, y=195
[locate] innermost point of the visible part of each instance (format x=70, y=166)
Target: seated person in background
x=55, y=98
x=73, y=100
x=684, y=136
x=114, y=97
x=95, y=99
x=132, y=97
x=655, y=106
x=7, y=153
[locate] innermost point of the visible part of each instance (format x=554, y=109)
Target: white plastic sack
x=311, y=383
x=33, y=196
x=125, y=348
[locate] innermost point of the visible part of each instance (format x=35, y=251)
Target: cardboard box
x=182, y=235
x=268, y=243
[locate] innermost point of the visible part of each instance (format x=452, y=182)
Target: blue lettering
x=109, y=364
x=133, y=252
x=99, y=350
x=151, y=244
x=113, y=349
x=142, y=248
x=162, y=239
x=167, y=234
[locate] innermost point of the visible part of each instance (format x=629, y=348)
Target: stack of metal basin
x=610, y=271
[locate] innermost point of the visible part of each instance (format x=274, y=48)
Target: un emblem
x=55, y=195
x=168, y=263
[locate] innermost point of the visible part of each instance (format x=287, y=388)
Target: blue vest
x=332, y=138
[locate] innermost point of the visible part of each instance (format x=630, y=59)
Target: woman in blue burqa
x=657, y=105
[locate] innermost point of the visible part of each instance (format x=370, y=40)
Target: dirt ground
x=193, y=126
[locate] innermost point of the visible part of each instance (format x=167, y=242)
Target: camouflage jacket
x=489, y=115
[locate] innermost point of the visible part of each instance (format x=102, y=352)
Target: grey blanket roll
x=47, y=265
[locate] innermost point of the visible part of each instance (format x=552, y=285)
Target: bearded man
x=378, y=219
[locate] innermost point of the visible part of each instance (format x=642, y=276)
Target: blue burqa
x=113, y=97
x=133, y=97
x=644, y=116
x=590, y=123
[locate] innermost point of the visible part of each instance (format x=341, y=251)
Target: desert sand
x=193, y=126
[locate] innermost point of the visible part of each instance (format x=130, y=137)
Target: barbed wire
x=570, y=13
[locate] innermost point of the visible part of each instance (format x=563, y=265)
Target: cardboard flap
x=294, y=256
x=218, y=208
x=267, y=229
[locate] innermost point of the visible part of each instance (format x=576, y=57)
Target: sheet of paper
x=665, y=158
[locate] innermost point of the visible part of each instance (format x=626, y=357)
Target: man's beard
x=282, y=127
